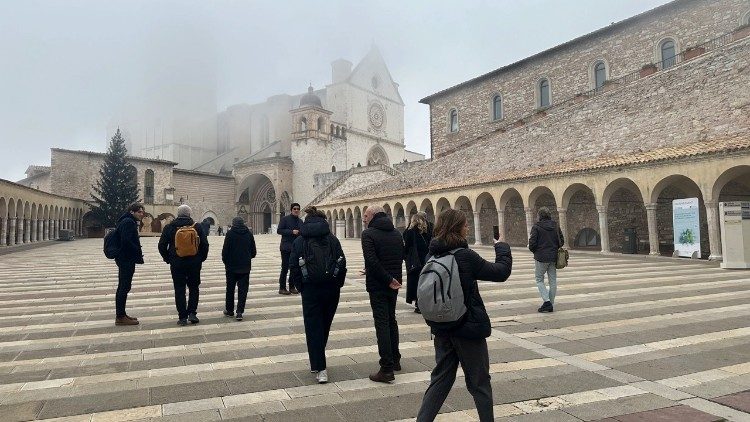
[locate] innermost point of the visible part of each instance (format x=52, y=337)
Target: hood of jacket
x=438, y=246
x=125, y=216
x=381, y=221
x=314, y=226
x=183, y=221
x=547, y=224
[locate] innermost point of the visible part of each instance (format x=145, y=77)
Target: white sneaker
x=322, y=377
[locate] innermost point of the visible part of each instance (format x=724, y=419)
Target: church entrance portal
x=257, y=203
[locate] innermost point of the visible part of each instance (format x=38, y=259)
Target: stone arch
x=357, y=222
x=624, y=209
x=399, y=217
x=349, y=223
x=212, y=219
x=92, y=226
x=668, y=189
x=387, y=209
x=442, y=205
x=732, y=185
x=426, y=207
x=514, y=218
x=257, y=202
x=542, y=196
x=580, y=219
x=411, y=209
x=489, y=224
x=377, y=155
x=463, y=204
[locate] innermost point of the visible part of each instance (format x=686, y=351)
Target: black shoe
x=381, y=376
x=546, y=307
x=284, y=292
x=182, y=322
x=293, y=290
x=228, y=313
x=238, y=317
x=193, y=318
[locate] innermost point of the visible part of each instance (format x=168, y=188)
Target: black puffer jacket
x=313, y=227
x=167, y=248
x=286, y=225
x=238, y=250
x=383, y=250
x=130, y=242
x=544, y=240
x=472, y=267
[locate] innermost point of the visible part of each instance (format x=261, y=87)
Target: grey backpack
x=439, y=292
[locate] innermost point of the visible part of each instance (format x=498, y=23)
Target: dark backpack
x=319, y=263
x=112, y=244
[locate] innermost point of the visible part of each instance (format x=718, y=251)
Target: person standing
x=416, y=246
x=289, y=230
x=545, y=239
x=465, y=342
x=237, y=254
x=317, y=268
x=383, y=250
x=184, y=246
x=129, y=255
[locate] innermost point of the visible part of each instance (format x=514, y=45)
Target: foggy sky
x=68, y=68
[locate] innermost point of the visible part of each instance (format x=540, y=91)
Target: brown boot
x=381, y=376
x=123, y=320
x=293, y=290
x=131, y=317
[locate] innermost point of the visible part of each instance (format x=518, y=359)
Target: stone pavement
x=632, y=339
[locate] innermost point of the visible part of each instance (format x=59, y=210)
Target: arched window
x=587, y=238
x=333, y=169
x=453, y=121
x=303, y=124
x=544, y=97
x=333, y=130
x=600, y=74
x=338, y=131
x=321, y=124
x=497, y=107
x=148, y=187
x=667, y=51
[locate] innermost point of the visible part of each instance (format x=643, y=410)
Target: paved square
x=632, y=339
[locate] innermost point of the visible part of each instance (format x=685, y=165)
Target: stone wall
x=73, y=173
x=624, y=48
x=208, y=195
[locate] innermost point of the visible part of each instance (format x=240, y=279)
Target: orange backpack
x=186, y=241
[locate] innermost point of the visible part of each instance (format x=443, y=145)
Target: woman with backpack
x=317, y=268
x=464, y=340
x=416, y=245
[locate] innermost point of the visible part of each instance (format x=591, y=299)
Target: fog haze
x=70, y=68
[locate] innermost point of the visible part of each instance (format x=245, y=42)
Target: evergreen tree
x=117, y=186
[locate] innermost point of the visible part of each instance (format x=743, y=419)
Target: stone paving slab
x=628, y=336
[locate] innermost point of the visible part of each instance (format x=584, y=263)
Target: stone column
x=80, y=227
x=653, y=229
x=57, y=228
x=39, y=229
x=3, y=231
x=714, y=231
x=603, y=230
x=53, y=234
x=563, y=214
x=12, y=230
x=501, y=224
x=529, y=222
x=477, y=229
x=21, y=232
x=32, y=231
x=45, y=232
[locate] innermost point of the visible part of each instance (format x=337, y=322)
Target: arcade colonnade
x=595, y=209
x=28, y=215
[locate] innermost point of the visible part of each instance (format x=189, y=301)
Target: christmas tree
x=117, y=186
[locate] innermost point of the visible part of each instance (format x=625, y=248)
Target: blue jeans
x=540, y=268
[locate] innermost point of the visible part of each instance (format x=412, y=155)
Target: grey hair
x=184, y=211
x=376, y=209
x=544, y=213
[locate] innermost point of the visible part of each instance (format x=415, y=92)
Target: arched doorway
x=377, y=156
x=582, y=218
x=625, y=210
x=511, y=204
x=664, y=193
x=488, y=219
x=257, y=203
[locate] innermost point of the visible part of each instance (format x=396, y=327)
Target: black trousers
x=475, y=361
x=242, y=281
x=186, y=276
x=383, y=304
x=125, y=271
x=284, y=270
x=412, y=280
x=318, y=309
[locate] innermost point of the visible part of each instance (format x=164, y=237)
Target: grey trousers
x=475, y=361
x=541, y=268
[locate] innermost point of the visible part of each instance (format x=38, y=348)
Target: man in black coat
x=289, y=231
x=545, y=239
x=129, y=255
x=383, y=250
x=238, y=251
x=186, y=270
